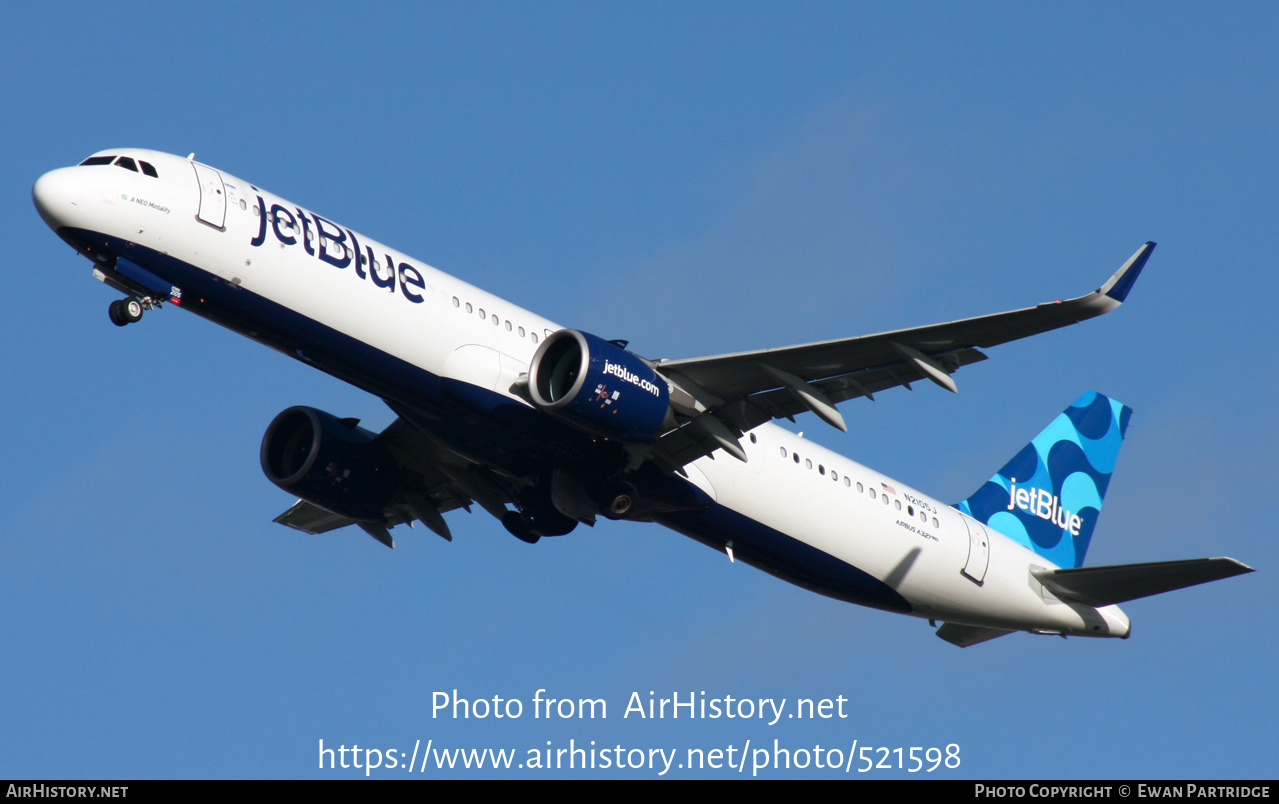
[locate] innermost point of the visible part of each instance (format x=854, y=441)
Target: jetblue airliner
x=546, y=428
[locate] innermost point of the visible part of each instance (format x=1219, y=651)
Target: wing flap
x=310, y=518
x=685, y=444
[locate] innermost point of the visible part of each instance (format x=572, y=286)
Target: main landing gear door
x=212, y=197
x=978, y=551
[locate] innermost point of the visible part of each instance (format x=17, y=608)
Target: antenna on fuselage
x=191, y=156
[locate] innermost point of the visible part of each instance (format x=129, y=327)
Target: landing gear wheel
x=116, y=314
x=622, y=498
x=132, y=310
x=125, y=311
x=514, y=522
x=623, y=502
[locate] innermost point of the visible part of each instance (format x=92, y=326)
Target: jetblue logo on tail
x=1044, y=505
x=1049, y=495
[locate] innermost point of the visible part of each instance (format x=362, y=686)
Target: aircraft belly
x=783, y=556
x=771, y=525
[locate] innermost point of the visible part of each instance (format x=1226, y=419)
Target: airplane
x=546, y=427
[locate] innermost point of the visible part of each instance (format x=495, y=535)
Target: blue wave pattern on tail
x=1049, y=495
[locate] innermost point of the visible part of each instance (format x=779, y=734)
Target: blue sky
x=696, y=178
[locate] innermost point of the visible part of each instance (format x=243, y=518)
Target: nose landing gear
x=125, y=311
x=129, y=311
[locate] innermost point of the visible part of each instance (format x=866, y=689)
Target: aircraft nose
x=56, y=196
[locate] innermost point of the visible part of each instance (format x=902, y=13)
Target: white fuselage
x=804, y=498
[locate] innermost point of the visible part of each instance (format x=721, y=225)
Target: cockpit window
x=148, y=169
x=98, y=160
x=126, y=162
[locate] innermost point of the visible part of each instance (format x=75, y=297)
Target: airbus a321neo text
x=546, y=427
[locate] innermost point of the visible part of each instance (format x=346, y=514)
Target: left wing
x=434, y=481
x=730, y=394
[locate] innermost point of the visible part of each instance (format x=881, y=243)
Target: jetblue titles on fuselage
x=334, y=245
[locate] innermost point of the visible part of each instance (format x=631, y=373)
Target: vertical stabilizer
x=1049, y=495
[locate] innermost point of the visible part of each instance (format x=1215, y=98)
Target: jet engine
x=599, y=386
x=330, y=462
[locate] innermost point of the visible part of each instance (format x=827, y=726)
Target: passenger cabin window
x=126, y=163
x=98, y=160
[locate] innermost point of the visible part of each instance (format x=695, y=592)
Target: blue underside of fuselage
x=783, y=556
x=482, y=424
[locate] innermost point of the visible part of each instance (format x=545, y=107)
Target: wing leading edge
x=742, y=390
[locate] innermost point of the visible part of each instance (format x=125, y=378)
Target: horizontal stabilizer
x=1103, y=586
x=967, y=635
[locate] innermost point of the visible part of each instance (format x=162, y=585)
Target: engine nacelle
x=599, y=386
x=329, y=462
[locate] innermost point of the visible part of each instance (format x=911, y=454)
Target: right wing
x=732, y=393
